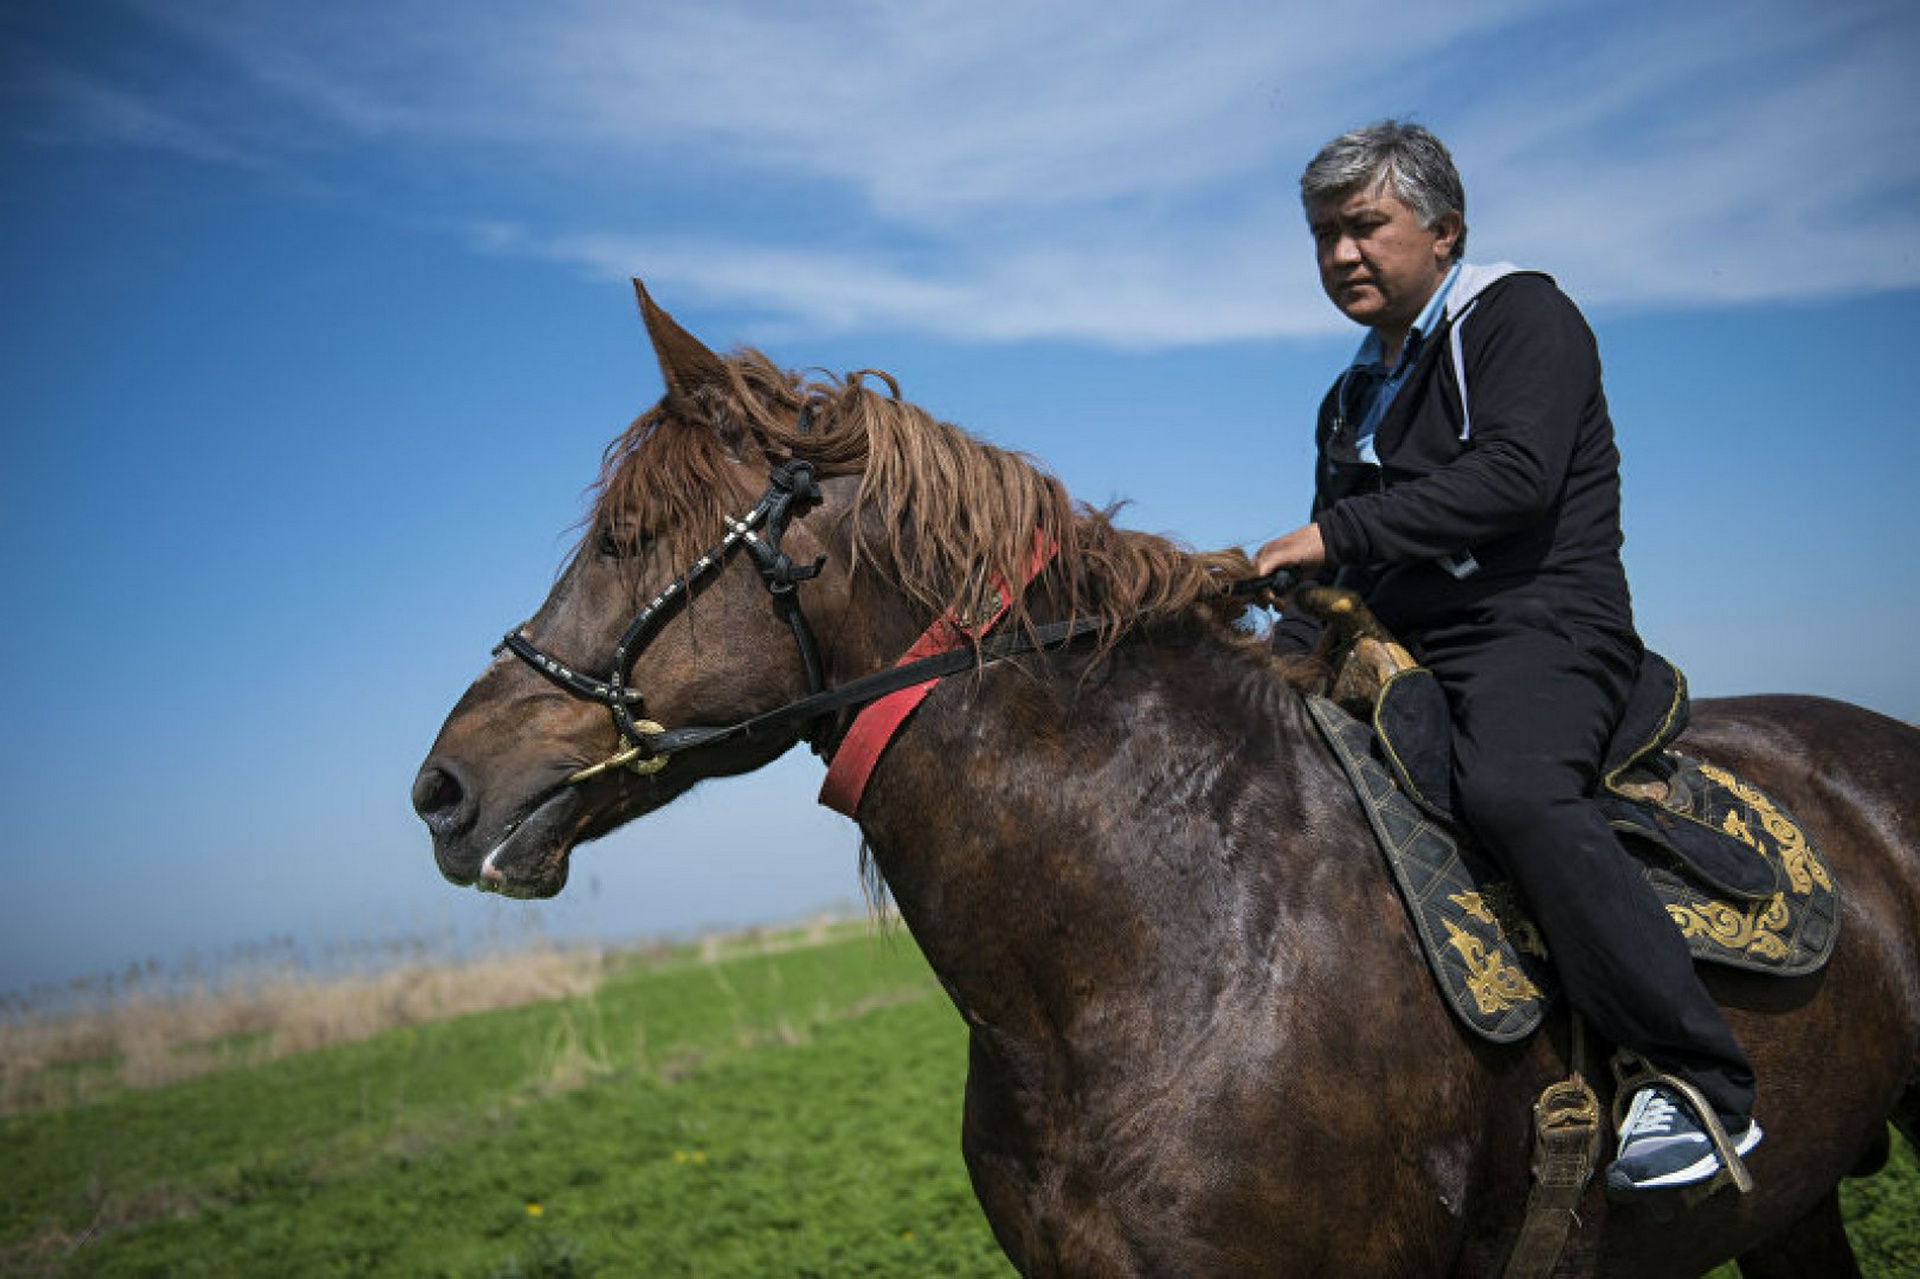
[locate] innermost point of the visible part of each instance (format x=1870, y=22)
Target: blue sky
x=316, y=320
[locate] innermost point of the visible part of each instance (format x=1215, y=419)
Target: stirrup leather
x=1566, y=1148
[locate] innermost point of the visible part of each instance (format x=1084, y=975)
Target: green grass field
x=770, y=1109
x=792, y=1112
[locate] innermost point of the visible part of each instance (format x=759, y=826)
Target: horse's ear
x=687, y=366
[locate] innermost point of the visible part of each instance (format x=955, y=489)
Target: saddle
x=1736, y=873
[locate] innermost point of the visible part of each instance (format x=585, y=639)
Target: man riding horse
x=1468, y=487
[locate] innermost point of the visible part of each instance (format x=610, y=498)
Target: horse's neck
x=1050, y=839
x=869, y=627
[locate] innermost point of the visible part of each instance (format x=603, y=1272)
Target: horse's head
x=668, y=614
x=754, y=539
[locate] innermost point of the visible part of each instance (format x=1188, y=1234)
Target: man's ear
x=1449, y=227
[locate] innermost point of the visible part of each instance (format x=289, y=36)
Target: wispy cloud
x=80, y=109
x=1701, y=161
x=1118, y=173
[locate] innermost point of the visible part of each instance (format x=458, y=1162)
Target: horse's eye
x=620, y=544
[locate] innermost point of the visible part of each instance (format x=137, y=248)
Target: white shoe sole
x=1697, y=1171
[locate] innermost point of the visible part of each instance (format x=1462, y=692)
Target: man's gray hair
x=1395, y=156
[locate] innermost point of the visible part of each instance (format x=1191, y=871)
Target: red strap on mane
x=874, y=727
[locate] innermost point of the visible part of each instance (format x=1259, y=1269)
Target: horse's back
x=1807, y=728
x=1851, y=776
x=1838, y=1053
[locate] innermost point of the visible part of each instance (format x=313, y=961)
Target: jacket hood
x=1473, y=280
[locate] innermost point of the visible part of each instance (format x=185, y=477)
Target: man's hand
x=1301, y=549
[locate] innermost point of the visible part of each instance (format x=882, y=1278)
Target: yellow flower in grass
x=535, y=1209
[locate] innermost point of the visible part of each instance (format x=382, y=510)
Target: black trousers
x=1534, y=704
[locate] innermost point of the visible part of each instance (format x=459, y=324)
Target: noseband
x=760, y=530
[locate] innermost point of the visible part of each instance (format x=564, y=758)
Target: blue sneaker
x=1663, y=1146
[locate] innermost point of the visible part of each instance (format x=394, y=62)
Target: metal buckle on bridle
x=637, y=759
x=789, y=483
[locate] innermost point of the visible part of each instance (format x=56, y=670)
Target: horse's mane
x=942, y=515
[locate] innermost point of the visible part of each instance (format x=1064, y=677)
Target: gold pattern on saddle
x=1802, y=865
x=1756, y=930
x=1498, y=904
x=1496, y=986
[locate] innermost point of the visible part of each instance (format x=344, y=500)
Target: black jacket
x=1532, y=491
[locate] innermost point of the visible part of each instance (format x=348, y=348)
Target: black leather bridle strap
x=868, y=688
x=1278, y=582
x=789, y=483
x=582, y=686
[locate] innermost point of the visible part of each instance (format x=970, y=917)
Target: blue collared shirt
x=1373, y=384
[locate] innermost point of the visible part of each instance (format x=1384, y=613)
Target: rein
x=871, y=688
x=646, y=746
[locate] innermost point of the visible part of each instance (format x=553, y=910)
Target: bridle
x=646, y=746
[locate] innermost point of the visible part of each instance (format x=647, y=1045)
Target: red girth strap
x=875, y=725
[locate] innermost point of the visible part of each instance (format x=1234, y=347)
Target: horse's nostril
x=439, y=798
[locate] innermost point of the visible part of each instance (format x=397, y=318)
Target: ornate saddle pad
x=1760, y=899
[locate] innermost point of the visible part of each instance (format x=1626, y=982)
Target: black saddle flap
x=1687, y=826
x=1415, y=732
x=1641, y=787
x=1655, y=714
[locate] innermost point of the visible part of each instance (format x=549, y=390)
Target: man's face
x=1377, y=263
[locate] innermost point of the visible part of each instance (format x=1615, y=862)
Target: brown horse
x=1202, y=1039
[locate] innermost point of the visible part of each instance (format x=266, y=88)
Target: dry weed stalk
x=141, y=1032
x=146, y=1039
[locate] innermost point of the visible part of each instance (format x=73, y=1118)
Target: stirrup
x=1631, y=1073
